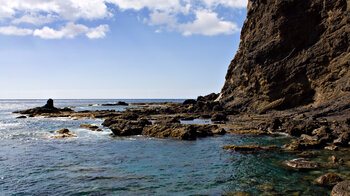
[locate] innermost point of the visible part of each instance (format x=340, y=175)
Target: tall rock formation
x=292, y=53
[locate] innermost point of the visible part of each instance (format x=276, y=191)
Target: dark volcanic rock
x=219, y=117
x=120, y=103
x=190, y=102
x=46, y=109
x=292, y=53
x=49, y=104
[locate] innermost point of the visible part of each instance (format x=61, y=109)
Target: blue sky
x=117, y=48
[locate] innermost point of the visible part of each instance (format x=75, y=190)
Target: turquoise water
x=96, y=164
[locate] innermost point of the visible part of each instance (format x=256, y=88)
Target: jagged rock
x=167, y=120
x=46, y=109
x=341, y=189
x=329, y=179
x=49, y=104
x=122, y=127
x=62, y=131
x=189, y=102
x=342, y=140
x=302, y=163
x=91, y=127
x=219, y=131
x=21, y=117
x=336, y=160
x=219, y=117
x=332, y=148
x=183, y=132
x=306, y=144
x=291, y=53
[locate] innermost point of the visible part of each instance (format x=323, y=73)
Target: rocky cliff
x=292, y=53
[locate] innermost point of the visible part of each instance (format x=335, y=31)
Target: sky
x=117, y=48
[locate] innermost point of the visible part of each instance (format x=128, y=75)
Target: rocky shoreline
x=165, y=122
x=290, y=76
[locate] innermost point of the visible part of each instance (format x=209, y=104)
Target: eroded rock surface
x=292, y=53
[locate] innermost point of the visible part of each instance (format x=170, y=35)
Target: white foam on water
x=8, y=125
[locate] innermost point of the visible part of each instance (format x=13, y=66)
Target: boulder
x=329, y=179
x=219, y=117
x=124, y=127
x=64, y=133
x=302, y=163
x=189, y=102
x=91, y=127
x=341, y=189
x=219, y=131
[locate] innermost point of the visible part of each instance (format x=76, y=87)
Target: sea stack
x=49, y=104
x=292, y=53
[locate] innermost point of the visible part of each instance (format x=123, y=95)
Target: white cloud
x=162, y=18
x=98, y=32
x=72, y=30
x=69, y=31
x=12, y=30
x=208, y=23
x=227, y=3
x=185, y=16
x=34, y=19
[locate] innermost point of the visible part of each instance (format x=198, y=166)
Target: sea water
x=94, y=163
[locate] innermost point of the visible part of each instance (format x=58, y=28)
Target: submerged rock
x=250, y=148
x=91, y=127
x=64, y=133
x=249, y=132
x=341, y=189
x=329, y=179
x=302, y=163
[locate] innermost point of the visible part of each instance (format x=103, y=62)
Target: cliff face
x=292, y=53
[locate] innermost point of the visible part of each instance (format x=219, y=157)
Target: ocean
x=94, y=163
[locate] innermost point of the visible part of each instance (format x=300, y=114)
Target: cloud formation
x=43, y=16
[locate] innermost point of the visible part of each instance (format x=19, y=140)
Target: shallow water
x=94, y=163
